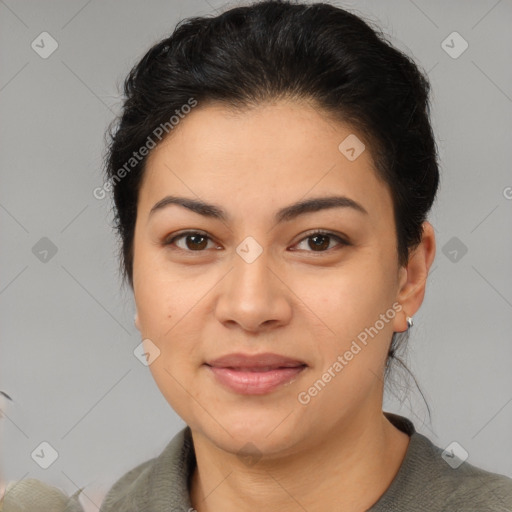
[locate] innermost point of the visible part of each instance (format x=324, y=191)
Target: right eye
x=194, y=241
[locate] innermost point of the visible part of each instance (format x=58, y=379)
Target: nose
x=254, y=296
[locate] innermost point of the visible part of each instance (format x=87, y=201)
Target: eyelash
x=321, y=232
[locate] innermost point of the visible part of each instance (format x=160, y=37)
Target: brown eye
x=193, y=241
x=321, y=240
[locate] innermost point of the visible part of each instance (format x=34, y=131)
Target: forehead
x=272, y=153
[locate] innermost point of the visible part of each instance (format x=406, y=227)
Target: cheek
x=168, y=309
x=172, y=385
x=347, y=298
x=350, y=302
x=155, y=309
x=161, y=299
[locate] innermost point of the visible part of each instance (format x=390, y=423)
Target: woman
x=277, y=249
x=272, y=171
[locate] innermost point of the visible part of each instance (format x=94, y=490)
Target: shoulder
x=465, y=487
x=157, y=481
x=479, y=490
x=433, y=479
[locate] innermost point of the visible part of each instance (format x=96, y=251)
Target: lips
x=256, y=362
x=255, y=374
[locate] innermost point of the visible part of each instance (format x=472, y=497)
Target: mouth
x=255, y=374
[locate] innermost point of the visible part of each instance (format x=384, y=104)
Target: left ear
x=413, y=277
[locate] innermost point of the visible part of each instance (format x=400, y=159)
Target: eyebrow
x=284, y=214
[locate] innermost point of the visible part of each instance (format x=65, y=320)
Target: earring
x=410, y=323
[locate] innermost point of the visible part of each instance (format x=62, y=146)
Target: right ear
x=136, y=320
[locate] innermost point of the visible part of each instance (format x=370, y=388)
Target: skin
x=338, y=452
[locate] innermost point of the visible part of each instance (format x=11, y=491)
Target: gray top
x=425, y=482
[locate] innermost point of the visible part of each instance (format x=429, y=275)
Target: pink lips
x=255, y=374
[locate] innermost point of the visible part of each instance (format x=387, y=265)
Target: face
x=249, y=276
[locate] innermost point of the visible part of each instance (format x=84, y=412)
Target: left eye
x=320, y=241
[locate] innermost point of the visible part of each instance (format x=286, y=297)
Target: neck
x=348, y=469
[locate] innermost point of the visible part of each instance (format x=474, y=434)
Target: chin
x=258, y=432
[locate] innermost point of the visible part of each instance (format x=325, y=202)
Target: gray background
x=67, y=333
